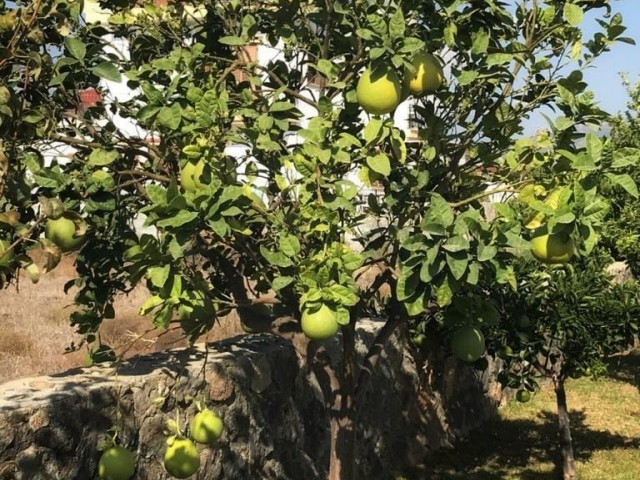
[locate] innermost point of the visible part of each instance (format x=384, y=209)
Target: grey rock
x=273, y=403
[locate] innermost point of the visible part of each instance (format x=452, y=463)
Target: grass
x=35, y=326
x=522, y=443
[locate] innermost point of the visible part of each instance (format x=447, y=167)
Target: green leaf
x=480, y=42
x=594, y=147
x=444, y=292
x=159, y=275
x=372, y=129
x=432, y=265
x=499, y=58
x=100, y=157
x=564, y=218
x=474, y=274
x=342, y=316
x=150, y=303
x=232, y=40
x=417, y=304
x=397, y=24
x=281, y=282
x=380, y=164
x=573, y=14
x=625, y=157
x=439, y=212
x=278, y=259
x=281, y=107
x=108, y=71
x=407, y=284
x=76, y=47
x=343, y=295
x=486, y=252
x=181, y=218
x=414, y=243
x=625, y=181
x=507, y=275
x=457, y=263
x=467, y=76
x=456, y=244
x=163, y=317
x=289, y=244
x=170, y=117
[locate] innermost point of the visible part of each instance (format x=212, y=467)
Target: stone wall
x=273, y=404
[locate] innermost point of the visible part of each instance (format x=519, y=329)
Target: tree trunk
x=343, y=429
x=566, y=445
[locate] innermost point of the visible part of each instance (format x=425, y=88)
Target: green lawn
x=521, y=445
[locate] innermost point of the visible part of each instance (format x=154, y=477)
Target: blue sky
x=603, y=77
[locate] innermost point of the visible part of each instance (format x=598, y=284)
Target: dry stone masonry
x=273, y=404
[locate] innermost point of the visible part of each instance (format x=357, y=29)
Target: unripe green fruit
x=467, y=343
x=379, y=91
x=428, y=76
x=523, y=396
x=181, y=458
x=63, y=232
x=552, y=248
x=320, y=324
x=116, y=463
x=206, y=427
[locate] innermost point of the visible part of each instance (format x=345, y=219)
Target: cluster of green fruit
x=181, y=459
x=67, y=232
x=380, y=90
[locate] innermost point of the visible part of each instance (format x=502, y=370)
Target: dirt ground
x=35, y=329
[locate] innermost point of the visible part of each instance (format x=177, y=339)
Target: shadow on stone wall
x=273, y=405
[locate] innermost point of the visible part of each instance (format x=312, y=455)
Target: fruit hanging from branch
x=116, y=463
x=379, y=90
x=181, y=459
x=320, y=323
x=552, y=248
x=206, y=427
x=67, y=232
x=428, y=76
x=467, y=343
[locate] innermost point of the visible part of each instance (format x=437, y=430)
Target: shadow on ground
x=518, y=449
x=626, y=368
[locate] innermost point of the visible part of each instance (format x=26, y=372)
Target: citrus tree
x=622, y=225
x=248, y=170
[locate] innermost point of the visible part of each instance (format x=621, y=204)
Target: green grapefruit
x=116, y=463
x=320, y=324
x=552, y=248
x=379, y=91
x=428, y=76
x=206, y=427
x=181, y=459
x=467, y=343
x=523, y=396
x=65, y=233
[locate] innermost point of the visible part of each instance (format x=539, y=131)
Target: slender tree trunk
x=342, y=465
x=566, y=444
